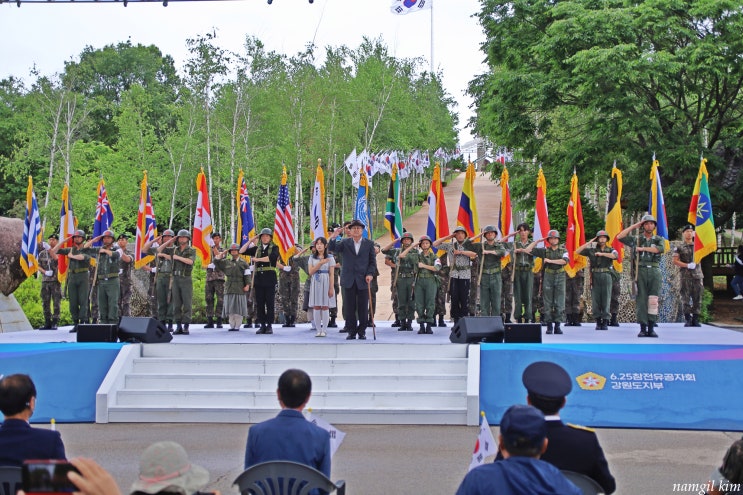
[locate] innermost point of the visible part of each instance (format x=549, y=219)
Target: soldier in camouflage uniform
x=554, y=258
x=427, y=264
x=78, y=281
x=573, y=291
x=289, y=287
x=184, y=257
x=51, y=289
x=691, y=277
x=107, y=277
x=474, y=303
x=443, y=289
x=616, y=291
x=490, y=252
x=163, y=274
x=602, y=258
x=507, y=290
x=523, y=283
x=403, y=275
x=214, y=287
x=126, y=262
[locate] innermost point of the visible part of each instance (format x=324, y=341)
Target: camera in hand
x=47, y=477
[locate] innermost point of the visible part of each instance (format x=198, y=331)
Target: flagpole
x=432, y=40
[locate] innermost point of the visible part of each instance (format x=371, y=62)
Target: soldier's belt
x=265, y=268
x=181, y=273
x=648, y=265
x=405, y=275
x=523, y=268
x=491, y=271
x=79, y=270
x=601, y=270
x=426, y=275
x=554, y=270
x=110, y=275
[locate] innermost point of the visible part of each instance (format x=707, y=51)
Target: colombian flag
x=467, y=214
x=656, y=206
x=700, y=215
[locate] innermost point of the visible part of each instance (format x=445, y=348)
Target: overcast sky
x=47, y=34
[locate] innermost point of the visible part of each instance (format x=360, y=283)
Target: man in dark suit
x=359, y=267
x=289, y=436
x=18, y=441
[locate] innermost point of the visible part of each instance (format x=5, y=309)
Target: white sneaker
x=323, y=334
x=319, y=334
x=738, y=297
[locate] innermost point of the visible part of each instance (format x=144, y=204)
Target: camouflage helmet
x=407, y=235
x=553, y=233
x=489, y=228
x=79, y=233
x=234, y=247
x=266, y=231
x=168, y=232
x=649, y=218
x=424, y=238
x=108, y=233
x=459, y=228
x=184, y=233
x=602, y=233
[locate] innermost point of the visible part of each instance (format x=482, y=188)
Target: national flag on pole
x=467, y=214
x=283, y=227
x=362, y=211
x=656, y=205
x=576, y=235
x=403, y=7
x=541, y=218
x=505, y=215
x=104, y=215
x=67, y=226
x=392, y=213
x=31, y=232
x=202, y=222
x=245, y=229
x=438, y=221
x=485, y=445
x=614, y=223
x=700, y=215
x=146, y=226
x=336, y=435
x=318, y=215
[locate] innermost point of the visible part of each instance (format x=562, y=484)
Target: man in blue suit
x=289, y=436
x=18, y=441
x=359, y=268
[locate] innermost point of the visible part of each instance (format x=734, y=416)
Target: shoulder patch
x=581, y=427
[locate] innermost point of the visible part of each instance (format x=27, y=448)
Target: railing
x=722, y=261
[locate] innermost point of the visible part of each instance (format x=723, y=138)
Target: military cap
x=547, y=379
x=168, y=232
x=686, y=227
x=266, y=231
x=53, y=236
x=79, y=233
x=123, y=235
x=649, y=218
x=602, y=233
x=523, y=427
x=489, y=228
x=407, y=235
x=459, y=228
x=424, y=238
x=108, y=233
x=357, y=223
x=184, y=233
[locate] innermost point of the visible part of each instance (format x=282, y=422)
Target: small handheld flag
x=484, y=446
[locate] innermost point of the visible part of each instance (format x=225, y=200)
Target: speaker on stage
x=145, y=330
x=523, y=333
x=102, y=332
x=474, y=329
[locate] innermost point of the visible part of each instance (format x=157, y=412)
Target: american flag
x=283, y=227
x=104, y=216
x=146, y=226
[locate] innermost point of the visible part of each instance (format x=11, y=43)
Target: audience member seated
x=728, y=478
x=18, y=440
x=164, y=468
x=289, y=436
x=522, y=439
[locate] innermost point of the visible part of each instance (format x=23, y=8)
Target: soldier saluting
x=106, y=277
x=265, y=255
x=78, y=284
x=163, y=274
x=51, y=289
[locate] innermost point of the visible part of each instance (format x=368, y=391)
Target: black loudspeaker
x=523, y=333
x=145, y=330
x=474, y=329
x=103, y=332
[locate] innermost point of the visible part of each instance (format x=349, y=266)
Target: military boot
x=219, y=322
x=558, y=330
x=599, y=324
x=178, y=329
x=687, y=320
x=170, y=326
x=209, y=322
x=47, y=325
x=643, y=330
x=290, y=324
x=576, y=320
x=422, y=329
x=651, y=332
x=695, y=321
x=185, y=329
x=429, y=330
x=396, y=323
x=549, y=327
x=442, y=323
x=249, y=324
x=614, y=322
x=55, y=322
x=506, y=317
x=569, y=320
x=332, y=323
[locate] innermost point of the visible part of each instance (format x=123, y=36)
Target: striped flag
x=31, y=233
x=541, y=217
x=362, y=211
x=614, y=223
x=104, y=215
x=146, y=226
x=245, y=229
x=318, y=214
x=202, y=222
x=505, y=215
x=283, y=227
x=438, y=221
x=700, y=215
x=656, y=205
x=576, y=235
x=67, y=226
x=467, y=214
x=392, y=213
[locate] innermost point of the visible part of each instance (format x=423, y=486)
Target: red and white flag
x=485, y=445
x=202, y=223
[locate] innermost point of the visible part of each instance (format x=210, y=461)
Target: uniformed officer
x=570, y=447
x=333, y=312
x=390, y=255
x=78, y=283
x=106, y=277
x=691, y=277
x=214, y=287
x=426, y=283
x=237, y=273
x=126, y=262
x=648, y=249
x=443, y=290
x=265, y=255
x=403, y=275
x=461, y=253
x=163, y=274
x=184, y=257
x=51, y=289
x=490, y=253
x=554, y=258
x=602, y=258
x=523, y=280
x=507, y=290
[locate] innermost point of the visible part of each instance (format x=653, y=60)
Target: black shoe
x=643, y=330
x=422, y=329
x=613, y=322
x=506, y=317
x=258, y=325
x=290, y=324
x=261, y=330
x=569, y=320
x=396, y=323
x=362, y=336
x=558, y=330
x=342, y=330
x=233, y=330
x=249, y=324
x=429, y=331
x=549, y=328
x=599, y=324
x=687, y=320
x=74, y=328
x=332, y=323
x=170, y=326
x=651, y=332
x=268, y=330
x=209, y=323
x=576, y=320
x=178, y=330
x=219, y=323
x=695, y=321
x=47, y=325
x=55, y=321
x=350, y=336
x=402, y=325
x=185, y=329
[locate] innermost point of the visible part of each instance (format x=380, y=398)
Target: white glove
x=287, y=268
x=247, y=271
x=691, y=265
x=49, y=273
x=120, y=251
x=121, y=270
x=154, y=269
x=45, y=245
x=210, y=265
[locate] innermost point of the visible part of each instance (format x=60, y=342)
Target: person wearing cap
x=359, y=268
x=571, y=447
x=523, y=277
x=214, y=286
x=289, y=436
x=461, y=252
x=162, y=248
x=106, y=278
x=521, y=441
x=404, y=269
x=126, y=261
x=554, y=257
x=164, y=467
x=648, y=248
x=490, y=252
x=78, y=283
x=237, y=285
x=692, y=286
x=601, y=256
x=184, y=257
x=51, y=288
x=427, y=264
x=336, y=277
x=265, y=255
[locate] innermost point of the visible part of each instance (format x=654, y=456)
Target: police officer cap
x=523, y=427
x=547, y=379
x=122, y=236
x=357, y=223
x=266, y=231
x=459, y=228
x=686, y=227
x=489, y=228
x=184, y=233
